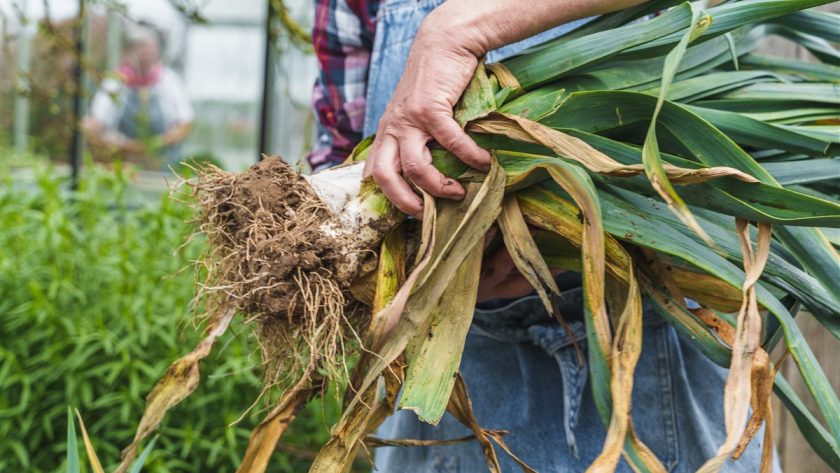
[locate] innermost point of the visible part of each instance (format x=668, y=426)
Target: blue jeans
x=522, y=369
x=523, y=374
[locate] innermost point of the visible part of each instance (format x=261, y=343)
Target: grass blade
x=413, y=304
x=356, y=424
x=177, y=383
x=524, y=252
x=737, y=392
x=138, y=465
x=73, y=465
x=816, y=435
x=437, y=351
x=95, y=465
x=654, y=168
x=263, y=441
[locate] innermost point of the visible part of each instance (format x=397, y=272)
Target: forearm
x=177, y=133
x=479, y=26
x=100, y=135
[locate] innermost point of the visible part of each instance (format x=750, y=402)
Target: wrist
x=444, y=30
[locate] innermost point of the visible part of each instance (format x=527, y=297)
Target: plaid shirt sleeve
x=343, y=38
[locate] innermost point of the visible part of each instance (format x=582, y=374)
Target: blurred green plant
x=74, y=463
x=91, y=284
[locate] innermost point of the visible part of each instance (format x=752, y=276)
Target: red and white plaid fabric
x=343, y=39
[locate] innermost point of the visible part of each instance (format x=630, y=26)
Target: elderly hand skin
x=439, y=66
x=436, y=73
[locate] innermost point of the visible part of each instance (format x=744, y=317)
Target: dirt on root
x=269, y=258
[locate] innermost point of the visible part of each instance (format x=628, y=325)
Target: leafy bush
x=92, y=286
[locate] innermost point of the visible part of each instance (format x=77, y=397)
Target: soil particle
x=270, y=259
x=265, y=225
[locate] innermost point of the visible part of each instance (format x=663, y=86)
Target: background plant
x=92, y=284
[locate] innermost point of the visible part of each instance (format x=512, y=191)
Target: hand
x=500, y=279
x=436, y=74
x=176, y=133
x=440, y=64
x=131, y=146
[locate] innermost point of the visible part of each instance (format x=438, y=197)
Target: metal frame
x=268, y=83
x=77, y=140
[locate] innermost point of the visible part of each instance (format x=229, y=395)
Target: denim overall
x=142, y=117
x=522, y=369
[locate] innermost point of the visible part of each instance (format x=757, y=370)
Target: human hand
x=131, y=146
x=500, y=279
x=436, y=73
x=440, y=64
x=176, y=133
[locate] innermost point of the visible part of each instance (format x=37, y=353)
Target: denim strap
x=526, y=320
x=573, y=370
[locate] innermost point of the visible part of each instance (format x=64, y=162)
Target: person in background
x=145, y=114
x=396, y=68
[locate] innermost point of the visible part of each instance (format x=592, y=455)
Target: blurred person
x=145, y=114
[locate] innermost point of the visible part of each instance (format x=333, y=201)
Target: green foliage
x=96, y=288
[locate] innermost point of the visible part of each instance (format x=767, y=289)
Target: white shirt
x=176, y=107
